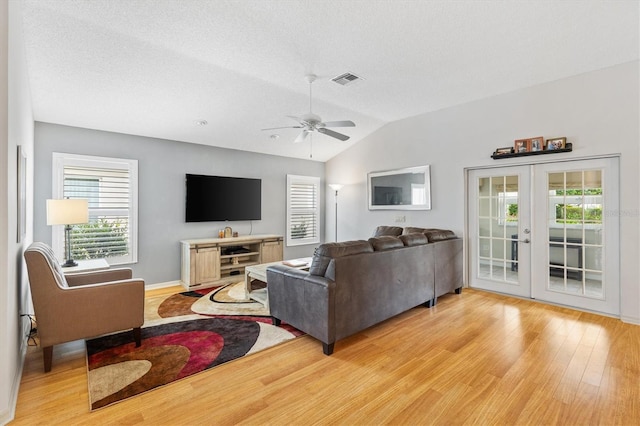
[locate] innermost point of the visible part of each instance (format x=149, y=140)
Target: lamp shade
x=336, y=186
x=67, y=212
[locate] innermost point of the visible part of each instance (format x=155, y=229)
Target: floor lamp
x=336, y=187
x=67, y=212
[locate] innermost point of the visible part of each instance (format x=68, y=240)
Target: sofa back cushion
x=385, y=242
x=414, y=239
x=394, y=231
x=327, y=251
x=432, y=234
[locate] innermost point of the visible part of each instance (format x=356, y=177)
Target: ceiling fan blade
x=346, y=123
x=302, y=136
x=333, y=134
x=286, y=127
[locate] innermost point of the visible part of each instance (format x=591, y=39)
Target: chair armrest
x=94, y=277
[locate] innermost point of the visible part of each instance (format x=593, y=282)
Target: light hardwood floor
x=475, y=358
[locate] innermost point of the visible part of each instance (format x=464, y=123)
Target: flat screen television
x=222, y=198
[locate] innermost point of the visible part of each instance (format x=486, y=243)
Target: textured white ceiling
x=153, y=67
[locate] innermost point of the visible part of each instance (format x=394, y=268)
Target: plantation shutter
x=303, y=210
x=107, y=191
x=110, y=187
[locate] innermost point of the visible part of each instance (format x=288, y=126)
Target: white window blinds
x=110, y=186
x=303, y=210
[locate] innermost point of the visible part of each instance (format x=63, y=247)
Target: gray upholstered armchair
x=81, y=305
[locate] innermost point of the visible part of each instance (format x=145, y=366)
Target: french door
x=547, y=231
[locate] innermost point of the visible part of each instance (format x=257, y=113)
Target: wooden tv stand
x=217, y=261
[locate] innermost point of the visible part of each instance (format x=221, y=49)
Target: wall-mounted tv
x=222, y=198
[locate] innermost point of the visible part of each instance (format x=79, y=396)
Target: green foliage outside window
x=299, y=231
x=593, y=191
x=99, y=239
x=568, y=213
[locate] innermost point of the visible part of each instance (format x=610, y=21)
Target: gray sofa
x=353, y=285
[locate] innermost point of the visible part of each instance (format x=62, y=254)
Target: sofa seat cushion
x=394, y=231
x=414, y=239
x=385, y=242
x=327, y=251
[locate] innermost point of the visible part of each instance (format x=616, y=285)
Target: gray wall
x=598, y=112
x=162, y=165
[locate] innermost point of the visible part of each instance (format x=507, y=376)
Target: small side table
x=259, y=272
x=88, y=265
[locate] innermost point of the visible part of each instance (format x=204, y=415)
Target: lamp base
x=69, y=263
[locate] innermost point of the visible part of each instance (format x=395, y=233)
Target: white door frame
x=614, y=268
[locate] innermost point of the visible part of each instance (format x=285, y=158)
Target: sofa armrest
x=302, y=300
x=93, y=277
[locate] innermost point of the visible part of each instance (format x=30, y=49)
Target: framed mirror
x=402, y=189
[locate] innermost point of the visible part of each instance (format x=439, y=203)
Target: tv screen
x=221, y=198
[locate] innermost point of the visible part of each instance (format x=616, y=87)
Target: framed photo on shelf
x=537, y=144
x=556, y=143
x=505, y=150
x=522, y=145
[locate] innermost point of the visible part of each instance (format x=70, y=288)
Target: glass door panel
x=576, y=233
x=495, y=202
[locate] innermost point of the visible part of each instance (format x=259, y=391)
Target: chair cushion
x=327, y=251
x=385, y=242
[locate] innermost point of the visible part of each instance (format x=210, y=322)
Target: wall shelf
x=568, y=148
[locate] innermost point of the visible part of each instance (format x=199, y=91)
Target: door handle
x=526, y=240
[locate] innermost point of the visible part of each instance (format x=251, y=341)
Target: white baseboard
x=9, y=415
x=163, y=285
x=630, y=320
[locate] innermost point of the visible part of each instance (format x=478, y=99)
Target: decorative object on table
x=183, y=334
x=555, y=144
x=336, y=187
x=228, y=232
x=67, y=212
x=221, y=233
x=235, y=234
x=386, y=189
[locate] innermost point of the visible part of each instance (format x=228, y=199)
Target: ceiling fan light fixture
x=310, y=122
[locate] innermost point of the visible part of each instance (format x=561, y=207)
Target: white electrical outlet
x=401, y=219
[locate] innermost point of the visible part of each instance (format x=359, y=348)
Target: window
x=303, y=210
x=111, y=187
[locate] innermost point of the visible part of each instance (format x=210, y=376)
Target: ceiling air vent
x=346, y=78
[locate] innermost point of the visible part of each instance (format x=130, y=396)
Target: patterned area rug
x=183, y=334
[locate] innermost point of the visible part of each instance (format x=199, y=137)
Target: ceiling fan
x=311, y=122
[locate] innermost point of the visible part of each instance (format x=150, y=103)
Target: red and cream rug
x=183, y=334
